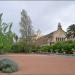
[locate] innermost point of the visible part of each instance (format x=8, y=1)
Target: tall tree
x=71, y=31
x=26, y=28
x=27, y=31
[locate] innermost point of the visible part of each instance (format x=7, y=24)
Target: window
x=56, y=39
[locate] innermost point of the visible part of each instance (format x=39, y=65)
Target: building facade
x=51, y=38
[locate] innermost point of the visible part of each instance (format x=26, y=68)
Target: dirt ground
x=33, y=64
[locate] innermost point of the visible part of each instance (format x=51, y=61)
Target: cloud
x=45, y=15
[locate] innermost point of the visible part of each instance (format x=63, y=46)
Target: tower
x=59, y=26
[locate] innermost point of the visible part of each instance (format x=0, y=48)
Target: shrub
x=17, y=49
x=64, y=46
x=67, y=47
x=45, y=48
x=8, y=66
x=5, y=44
x=35, y=48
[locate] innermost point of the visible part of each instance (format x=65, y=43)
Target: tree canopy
x=71, y=31
x=6, y=36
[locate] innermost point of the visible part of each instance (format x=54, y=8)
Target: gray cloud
x=45, y=15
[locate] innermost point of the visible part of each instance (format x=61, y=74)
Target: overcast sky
x=45, y=15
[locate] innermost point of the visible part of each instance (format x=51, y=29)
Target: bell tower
x=59, y=26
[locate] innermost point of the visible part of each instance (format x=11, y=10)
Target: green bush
x=17, y=49
x=5, y=44
x=8, y=66
x=44, y=48
x=35, y=48
x=64, y=46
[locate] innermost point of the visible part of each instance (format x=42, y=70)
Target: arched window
x=62, y=39
x=56, y=39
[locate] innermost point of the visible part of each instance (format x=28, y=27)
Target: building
x=51, y=38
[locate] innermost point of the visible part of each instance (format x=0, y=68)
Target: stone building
x=51, y=38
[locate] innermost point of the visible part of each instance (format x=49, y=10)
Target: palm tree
x=71, y=31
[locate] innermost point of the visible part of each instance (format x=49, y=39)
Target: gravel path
x=33, y=64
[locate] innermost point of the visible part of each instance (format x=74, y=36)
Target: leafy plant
x=8, y=66
x=17, y=48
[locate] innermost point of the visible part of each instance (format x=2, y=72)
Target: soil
x=35, y=64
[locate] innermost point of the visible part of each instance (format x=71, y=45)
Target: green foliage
x=64, y=46
x=45, y=48
x=21, y=48
x=8, y=66
x=6, y=36
x=71, y=31
x=35, y=48
x=17, y=48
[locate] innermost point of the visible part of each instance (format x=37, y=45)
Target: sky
x=45, y=15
